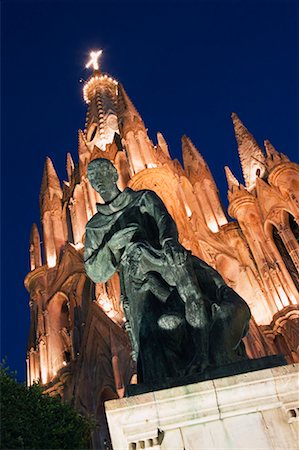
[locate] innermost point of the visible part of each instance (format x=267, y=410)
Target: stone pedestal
x=255, y=410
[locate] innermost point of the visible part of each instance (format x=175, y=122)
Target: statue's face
x=103, y=177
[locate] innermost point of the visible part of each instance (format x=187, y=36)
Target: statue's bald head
x=103, y=176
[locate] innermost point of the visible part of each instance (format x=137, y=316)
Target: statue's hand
x=174, y=252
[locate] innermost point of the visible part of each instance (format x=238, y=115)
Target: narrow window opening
x=294, y=227
x=92, y=132
x=70, y=236
x=286, y=257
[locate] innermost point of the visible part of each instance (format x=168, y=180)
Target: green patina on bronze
x=181, y=316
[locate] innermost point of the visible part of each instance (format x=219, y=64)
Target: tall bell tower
x=100, y=94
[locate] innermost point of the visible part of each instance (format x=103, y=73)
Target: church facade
x=78, y=346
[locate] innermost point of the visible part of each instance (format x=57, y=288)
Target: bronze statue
x=181, y=316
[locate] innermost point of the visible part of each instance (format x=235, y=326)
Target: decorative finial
x=94, y=56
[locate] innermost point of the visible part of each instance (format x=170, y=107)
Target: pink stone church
x=78, y=347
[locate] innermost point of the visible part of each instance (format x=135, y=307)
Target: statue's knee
x=238, y=304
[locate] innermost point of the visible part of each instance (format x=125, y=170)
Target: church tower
x=78, y=346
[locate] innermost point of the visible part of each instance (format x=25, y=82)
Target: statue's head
x=103, y=177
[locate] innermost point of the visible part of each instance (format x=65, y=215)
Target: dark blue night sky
x=185, y=65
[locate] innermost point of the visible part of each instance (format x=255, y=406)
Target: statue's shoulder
x=148, y=194
x=94, y=221
x=140, y=194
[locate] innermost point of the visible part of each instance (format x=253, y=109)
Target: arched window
x=59, y=333
x=285, y=257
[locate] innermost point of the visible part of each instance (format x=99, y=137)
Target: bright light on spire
x=94, y=56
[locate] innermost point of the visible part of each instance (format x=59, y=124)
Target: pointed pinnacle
x=241, y=131
x=243, y=135
x=270, y=149
x=34, y=233
x=162, y=144
x=128, y=114
x=178, y=167
x=69, y=165
x=50, y=178
x=190, y=153
x=231, y=179
x=82, y=146
x=125, y=101
x=273, y=155
x=35, y=251
x=248, y=149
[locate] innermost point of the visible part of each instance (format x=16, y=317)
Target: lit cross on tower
x=94, y=56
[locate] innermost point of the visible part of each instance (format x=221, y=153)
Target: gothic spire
x=251, y=156
x=273, y=153
x=50, y=180
x=100, y=93
x=34, y=233
x=273, y=156
x=270, y=149
x=204, y=185
x=190, y=153
x=35, y=252
x=163, y=144
x=129, y=117
x=231, y=179
x=69, y=166
x=82, y=144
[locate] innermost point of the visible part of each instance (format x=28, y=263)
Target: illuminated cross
x=94, y=56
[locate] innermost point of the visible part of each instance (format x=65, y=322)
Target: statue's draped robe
x=127, y=235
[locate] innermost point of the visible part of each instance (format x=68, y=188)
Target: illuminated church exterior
x=78, y=347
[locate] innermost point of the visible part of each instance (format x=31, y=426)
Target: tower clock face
x=112, y=122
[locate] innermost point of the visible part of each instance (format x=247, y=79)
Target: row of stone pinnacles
x=77, y=345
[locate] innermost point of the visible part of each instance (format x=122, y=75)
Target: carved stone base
x=252, y=410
